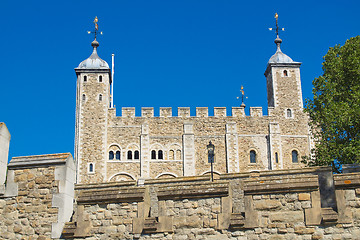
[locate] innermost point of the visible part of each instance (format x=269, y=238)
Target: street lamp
x=211, y=157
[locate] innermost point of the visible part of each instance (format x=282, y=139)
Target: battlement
x=184, y=112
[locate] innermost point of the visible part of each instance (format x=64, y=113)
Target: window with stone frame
x=91, y=168
x=294, y=156
x=129, y=155
x=288, y=113
x=85, y=78
x=111, y=155
x=118, y=154
x=252, y=156
x=100, y=78
x=137, y=155
x=160, y=154
x=276, y=158
x=153, y=154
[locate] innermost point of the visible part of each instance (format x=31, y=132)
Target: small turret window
x=288, y=113
x=252, y=156
x=83, y=97
x=100, y=78
x=294, y=156
x=85, y=78
x=100, y=97
x=276, y=158
x=117, y=155
x=285, y=73
x=91, y=168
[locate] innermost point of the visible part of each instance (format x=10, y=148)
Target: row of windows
x=100, y=78
x=294, y=157
x=100, y=97
x=136, y=155
x=130, y=155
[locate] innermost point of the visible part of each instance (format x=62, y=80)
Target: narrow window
x=91, y=167
x=100, y=97
x=171, y=155
x=83, y=97
x=117, y=155
x=252, y=156
x=111, y=155
x=294, y=155
x=85, y=78
x=160, y=154
x=288, y=113
x=285, y=73
x=129, y=154
x=153, y=154
x=276, y=158
x=137, y=155
x=178, y=155
x=100, y=78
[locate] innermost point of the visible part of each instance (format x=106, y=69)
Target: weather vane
x=96, y=31
x=242, y=96
x=277, y=26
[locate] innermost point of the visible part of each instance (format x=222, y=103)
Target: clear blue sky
x=183, y=53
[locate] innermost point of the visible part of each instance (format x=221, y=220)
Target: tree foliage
x=335, y=110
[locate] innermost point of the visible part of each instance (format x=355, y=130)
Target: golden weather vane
x=242, y=97
x=96, y=31
x=277, y=26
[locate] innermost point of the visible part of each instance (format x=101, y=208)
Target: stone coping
x=38, y=160
x=347, y=180
x=268, y=173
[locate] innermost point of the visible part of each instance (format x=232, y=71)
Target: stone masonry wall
x=282, y=204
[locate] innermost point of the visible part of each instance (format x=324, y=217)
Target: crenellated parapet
x=184, y=112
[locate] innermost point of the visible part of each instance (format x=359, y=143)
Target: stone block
x=267, y=204
x=304, y=196
x=220, y=111
x=202, y=112
x=165, y=112
x=147, y=112
x=128, y=112
x=183, y=112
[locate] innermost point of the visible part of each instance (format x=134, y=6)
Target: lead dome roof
x=94, y=61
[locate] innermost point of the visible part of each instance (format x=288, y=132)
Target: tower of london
x=109, y=147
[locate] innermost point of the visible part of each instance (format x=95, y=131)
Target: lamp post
x=211, y=157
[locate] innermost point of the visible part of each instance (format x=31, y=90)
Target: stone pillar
x=232, y=148
x=275, y=147
x=145, y=151
x=189, y=150
x=4, y=151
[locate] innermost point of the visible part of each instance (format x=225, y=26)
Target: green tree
x=335, y=110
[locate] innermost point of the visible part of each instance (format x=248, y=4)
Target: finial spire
x=278, y=39
x=242, y=97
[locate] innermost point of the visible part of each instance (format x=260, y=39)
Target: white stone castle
x=112, y=148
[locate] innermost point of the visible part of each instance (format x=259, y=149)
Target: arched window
x=294, y=156
x=137, y=155
x=91, y=168
x=171, y=155
x=117, y=155
x=100, y=97
x=252, y=156
x=276, y=158
x=178, y=155
x=85, y=78
x=100, y=78
x=83, y=97
x=129, y=155
x=153, y=154
x=160, y=154
x=288, y=113
x=285, y=73
x=111, y=155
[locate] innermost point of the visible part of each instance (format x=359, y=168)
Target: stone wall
x=283, y=204
x=38, y=197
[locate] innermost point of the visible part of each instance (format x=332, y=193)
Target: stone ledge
x=281, y=185
x=347, y=180
x=38, y=161
x=189, y=191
